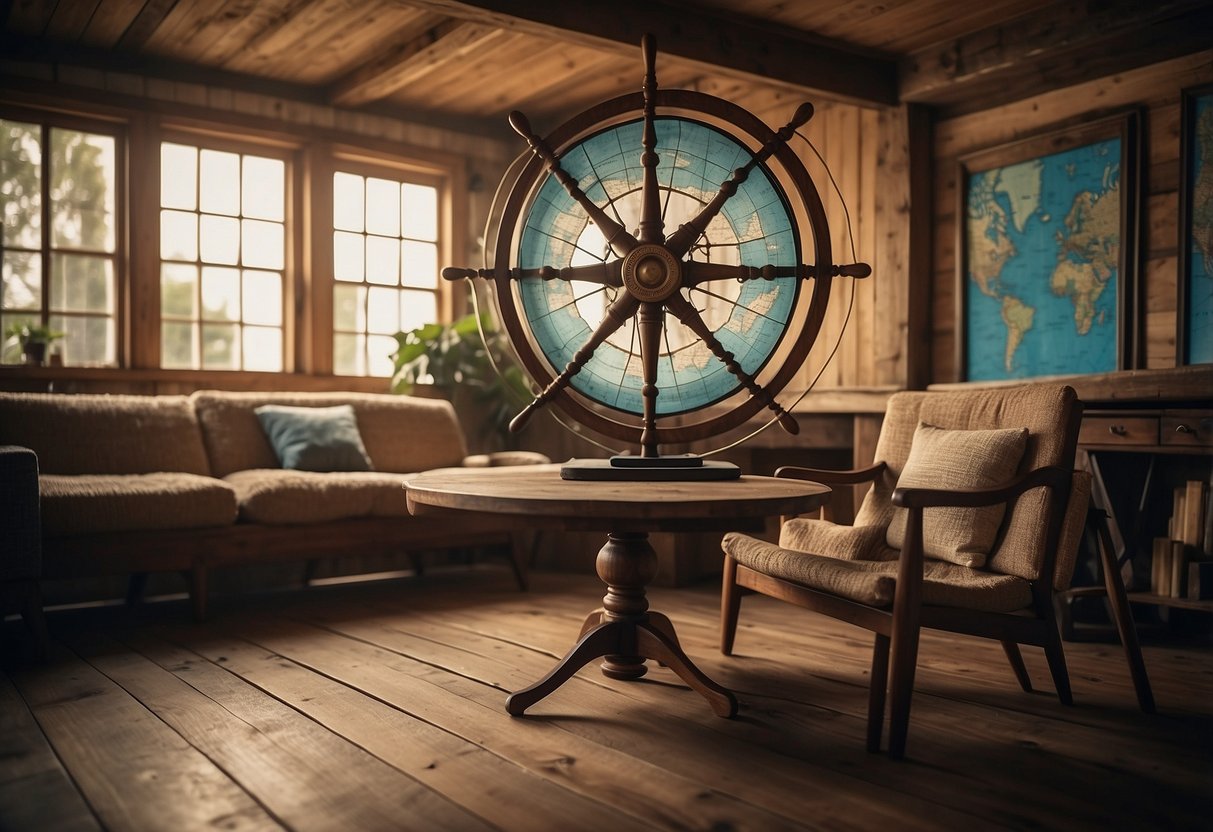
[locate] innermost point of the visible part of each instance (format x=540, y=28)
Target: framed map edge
x=1125, y=125
x=1183, y=275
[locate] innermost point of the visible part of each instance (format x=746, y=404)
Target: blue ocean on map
x=1033, y=220
x=1200, y=263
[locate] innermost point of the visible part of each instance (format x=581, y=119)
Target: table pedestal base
x=625, y=632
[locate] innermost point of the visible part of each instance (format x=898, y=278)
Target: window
x=59, y=195
x=385, y=268
x=222, y=259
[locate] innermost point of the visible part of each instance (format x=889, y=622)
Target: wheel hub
x=651, y=273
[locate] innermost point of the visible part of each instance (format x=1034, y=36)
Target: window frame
x=118, y=129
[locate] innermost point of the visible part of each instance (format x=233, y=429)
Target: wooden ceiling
x=480, y=59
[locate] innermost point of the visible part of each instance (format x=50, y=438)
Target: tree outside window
x=58, y=188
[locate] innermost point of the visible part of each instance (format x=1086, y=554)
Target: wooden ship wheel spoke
x=585, y=274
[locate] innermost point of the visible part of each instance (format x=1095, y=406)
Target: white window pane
x=263, y=349
x=80, y=283
x=262, y=244
x=178, y=290
x=84, y=182
x=21, y=183
x=349, y=308
x=349, y=354
x=383, y=207
x=419, y=264
x=178, y=235
x=178, y=346
x=220, y=347
x=88, y=340
x=22, y=281
x=349, y=206
x=219, y=182
x=219, y=239
x=383, y=261
x=263, y=298
x=178, y=176
x=220, y=294
x=379, y=355
x=383, y=314
x=419, y=211
x=417, y=309
x=264, y=188
x=348, y=256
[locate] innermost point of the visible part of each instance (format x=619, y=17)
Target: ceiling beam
x=716, y=42
x=1055, y=47
x=448, y=42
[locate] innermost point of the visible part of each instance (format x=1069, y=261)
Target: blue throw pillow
x=315, y=438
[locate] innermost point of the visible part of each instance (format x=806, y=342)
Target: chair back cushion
x=958, y=459
x=1048, y=412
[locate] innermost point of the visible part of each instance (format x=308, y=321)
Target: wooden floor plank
x=463, y=771
x=405, y=682
x=35, y=790
x=135, y=772
x=307, y=776
x=646, y=790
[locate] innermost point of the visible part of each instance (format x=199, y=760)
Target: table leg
x=625, y=633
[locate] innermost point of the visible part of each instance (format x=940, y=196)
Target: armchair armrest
x=498, y=459
x=976, y=497
x=827, y=476
x=21, y=549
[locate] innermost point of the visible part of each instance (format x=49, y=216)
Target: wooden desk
x=624, y=630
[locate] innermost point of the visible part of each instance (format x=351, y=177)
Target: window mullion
x=47, y=266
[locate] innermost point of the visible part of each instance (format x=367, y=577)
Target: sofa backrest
x=402, y=434
x=103, y=434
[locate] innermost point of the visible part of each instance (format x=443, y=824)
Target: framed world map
x=1194, y=343
x=1047, y=253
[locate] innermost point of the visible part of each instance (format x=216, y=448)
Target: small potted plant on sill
x=33, y=339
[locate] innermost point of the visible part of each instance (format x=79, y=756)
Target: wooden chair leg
x=1057, y=663
x=1122, y=614
x=876, y=691
x=730, y=605
x=1016, y=659
x=309, y=570
x=198, y=591
x=418, y=563
x=35, y=619
x=902, y=664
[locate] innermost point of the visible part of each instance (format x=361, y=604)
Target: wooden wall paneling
x=142, y=325
x=864, y=320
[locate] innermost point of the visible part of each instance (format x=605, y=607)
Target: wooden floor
x=380, y=706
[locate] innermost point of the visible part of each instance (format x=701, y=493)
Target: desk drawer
x=1119, y=430
x=1191, y=428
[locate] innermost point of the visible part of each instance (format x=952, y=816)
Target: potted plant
x=33, y=339
x=477, y=375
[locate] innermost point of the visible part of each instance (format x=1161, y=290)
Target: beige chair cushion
x=874, y=582
x=958, y=459
x=402, y=434
x=1045, y=410
x=91, y=503
x=97, y=434
x=821, y=537
x=284, y=497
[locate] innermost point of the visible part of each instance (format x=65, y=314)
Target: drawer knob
x=1182, y=428
x=1117, y=430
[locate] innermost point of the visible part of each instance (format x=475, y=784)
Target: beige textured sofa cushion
x=874, y=582
x=96, y=434
x=89, y=503
x=402, y=434
x=958, y=459
x=283, y=497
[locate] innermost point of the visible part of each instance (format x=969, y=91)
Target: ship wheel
x=649, y=263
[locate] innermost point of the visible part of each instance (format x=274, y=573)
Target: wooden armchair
x=973, y=521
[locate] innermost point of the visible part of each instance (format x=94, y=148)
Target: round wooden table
x=625, y=631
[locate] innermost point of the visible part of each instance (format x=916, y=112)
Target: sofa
x=138, y=484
